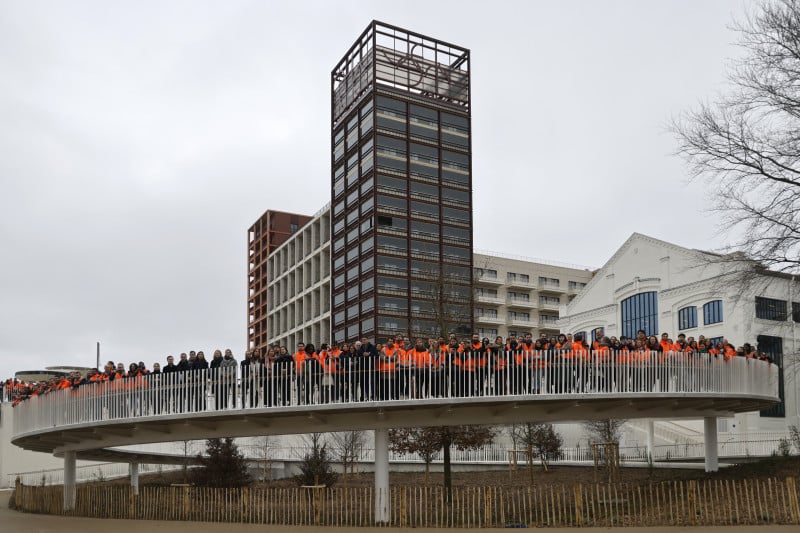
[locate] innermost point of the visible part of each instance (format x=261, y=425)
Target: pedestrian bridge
x=270, y=401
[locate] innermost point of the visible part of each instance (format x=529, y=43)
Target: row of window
x=433, y=193
x=429, y=124
x=712, y=314
x=778, y=310
x=513, y=277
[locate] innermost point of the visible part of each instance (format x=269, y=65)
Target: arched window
x=687, y=317
x=712, y=312
x=640, y=311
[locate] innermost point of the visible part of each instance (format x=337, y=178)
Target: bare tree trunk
x=530, y=463
x=448, y=475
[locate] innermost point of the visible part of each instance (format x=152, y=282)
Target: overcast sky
x=140, y=140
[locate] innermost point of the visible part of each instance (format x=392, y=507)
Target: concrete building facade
x=298, y=292
x=661, y=287
x=515, y=295
x=271, y=230
x=506, y=289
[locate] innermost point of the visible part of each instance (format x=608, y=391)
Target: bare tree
x=187, y=449
x=433, y=439
x=265, y=446
x=347, y=446
x=746, y=145
x=445, y=301
x=539, y=440
x=608, y=430
x=315, y=466
x=420, y=441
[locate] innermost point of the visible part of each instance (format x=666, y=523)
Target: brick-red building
x=271, y=230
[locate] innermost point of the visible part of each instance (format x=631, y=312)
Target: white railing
x=86, y=473
x=502, y=454
x=350, y=380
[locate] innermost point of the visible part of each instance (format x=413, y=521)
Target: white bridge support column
x=381, y=476
x=69, y=481
x=651, y=437
x=134, y=471
x=710, y=437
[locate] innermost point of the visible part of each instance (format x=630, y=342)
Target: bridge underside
x=384, y=415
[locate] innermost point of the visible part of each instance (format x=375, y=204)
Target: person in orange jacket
x=389, y=371
x=299, y=357
x=422, y=362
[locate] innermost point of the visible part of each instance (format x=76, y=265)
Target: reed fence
x=685, y=502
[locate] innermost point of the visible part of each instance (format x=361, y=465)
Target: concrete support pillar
x=710, y=436
x=134, y=471
x=651, y=438
x=69, y=481
x=382, y=476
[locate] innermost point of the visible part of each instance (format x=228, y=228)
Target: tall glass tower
x=401, y=187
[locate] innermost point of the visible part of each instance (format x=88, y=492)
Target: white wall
x=684, y=277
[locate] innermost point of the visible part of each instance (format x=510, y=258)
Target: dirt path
x=14, y=522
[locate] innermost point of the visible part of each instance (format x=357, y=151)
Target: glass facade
x=640, y=311
x=401, y=192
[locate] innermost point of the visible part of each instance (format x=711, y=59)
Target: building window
x=519, y=297
x=514, y=315
x=367, y=325
x=514, y=277
x=640, y=311
x=486, y=273
x=485, y=313
x=575, y=285
x=773, y=346
x=771, y=309
x=712, y=312
x=488, y=333
x=549, y=300
x=492, y=293
x=687, y=317
x=548, y=282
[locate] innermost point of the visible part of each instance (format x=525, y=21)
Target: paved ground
x=14, y=522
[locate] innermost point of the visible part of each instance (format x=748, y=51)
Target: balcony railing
x=549, y=306
x=488, y=319
x=519, y=302
x=487, y=299
x=519, y=283
x=351, y=380
x=488, y=280
x=549, y=286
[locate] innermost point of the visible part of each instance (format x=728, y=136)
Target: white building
x=516, y=295
x=661, y=287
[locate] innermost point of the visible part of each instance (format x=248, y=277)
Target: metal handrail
x=346, y=380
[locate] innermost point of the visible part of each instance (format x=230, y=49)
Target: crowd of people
x=395, y=369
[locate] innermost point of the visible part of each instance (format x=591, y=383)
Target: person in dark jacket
x=228, y=378
x=199, y=377
x=368, y=357
x=214, y=372
x=283, y=369
x=312, y=373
